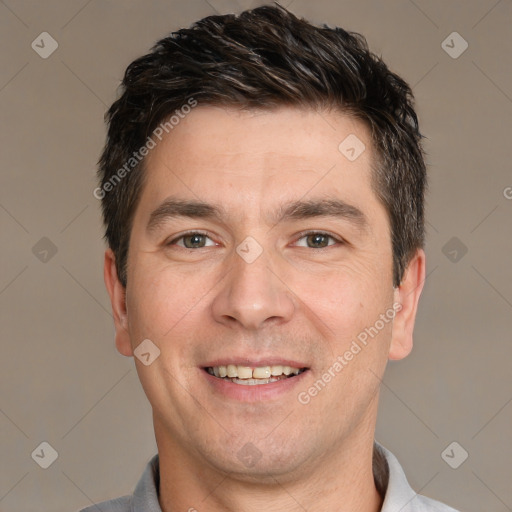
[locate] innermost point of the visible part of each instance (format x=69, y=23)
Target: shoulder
x=122, y=504
x=145, y=496
x=424, y=504
x=398, y=493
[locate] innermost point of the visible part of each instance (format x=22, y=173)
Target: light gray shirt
x=389, y=478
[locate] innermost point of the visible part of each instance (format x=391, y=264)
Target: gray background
x=63, y=381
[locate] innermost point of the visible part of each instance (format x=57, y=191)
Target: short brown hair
x=262, y=59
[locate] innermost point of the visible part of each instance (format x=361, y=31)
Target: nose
x=253, y=295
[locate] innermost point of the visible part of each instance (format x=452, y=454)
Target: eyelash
x=300, y=236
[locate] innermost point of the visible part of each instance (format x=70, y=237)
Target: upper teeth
x=246, y=372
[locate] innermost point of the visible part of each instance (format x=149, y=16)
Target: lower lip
x=256, y=393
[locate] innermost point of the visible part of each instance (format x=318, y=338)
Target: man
x=262, y=189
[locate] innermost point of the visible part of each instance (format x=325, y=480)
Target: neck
x=340, y=481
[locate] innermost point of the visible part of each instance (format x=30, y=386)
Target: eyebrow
x=173, y=208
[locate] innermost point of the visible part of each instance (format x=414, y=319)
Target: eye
x=318, y=239
x=197, y=240
x=191, y=240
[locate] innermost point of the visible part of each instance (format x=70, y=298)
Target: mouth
x=254, y=376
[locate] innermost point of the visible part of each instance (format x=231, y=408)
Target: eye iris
x=195, y=239
x=317, y=239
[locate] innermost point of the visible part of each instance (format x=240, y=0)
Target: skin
x=294, y=301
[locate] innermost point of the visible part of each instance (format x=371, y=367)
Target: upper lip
x=256, y=363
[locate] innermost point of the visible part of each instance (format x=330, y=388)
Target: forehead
x=253, y=159
x=284, y=135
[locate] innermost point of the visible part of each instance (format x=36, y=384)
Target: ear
x=408, y=296
x=117, y=294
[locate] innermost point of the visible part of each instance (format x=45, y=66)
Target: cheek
x=346, y=307
x=166, y=303
x=346, y=298
x=165, y=307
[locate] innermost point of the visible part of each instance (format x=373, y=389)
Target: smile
x=248, y=376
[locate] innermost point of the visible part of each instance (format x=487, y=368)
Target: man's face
x=281, y=297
